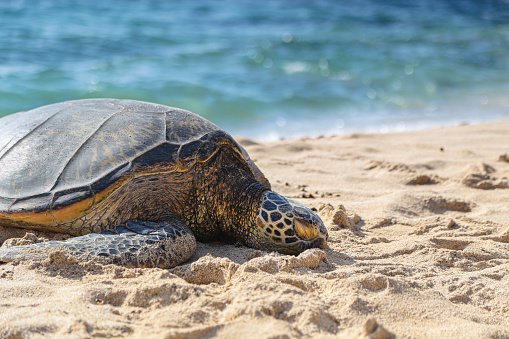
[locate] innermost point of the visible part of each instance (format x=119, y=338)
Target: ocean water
x=267, y=69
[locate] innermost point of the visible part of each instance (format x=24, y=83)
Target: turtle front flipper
x=135, y=244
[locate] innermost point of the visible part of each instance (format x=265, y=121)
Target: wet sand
x=419, y=248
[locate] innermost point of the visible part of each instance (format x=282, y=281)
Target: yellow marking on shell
x=43, y=218
x=101, y=196
x=73, y=211
x=84, y=208
x=305, y=230
x=149, y=173
x=162, y=168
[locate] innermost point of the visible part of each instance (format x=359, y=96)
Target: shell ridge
x=7, y=144
x=36, y=128
x=55, y=219
x=33, y=197
x=12, y=203
x=83, y=143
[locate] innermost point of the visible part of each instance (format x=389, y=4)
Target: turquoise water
x=266, y=69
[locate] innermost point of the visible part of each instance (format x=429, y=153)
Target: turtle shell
x=69, y=153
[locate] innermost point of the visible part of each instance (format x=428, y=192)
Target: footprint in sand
x=481, y=176
x=413, y=205
x=424, y=179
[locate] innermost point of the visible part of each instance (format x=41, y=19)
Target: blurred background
x=266, y=69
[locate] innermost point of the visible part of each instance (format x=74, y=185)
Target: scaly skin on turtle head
x=287, y=226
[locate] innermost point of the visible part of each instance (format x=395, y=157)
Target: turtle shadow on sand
x=212, y=262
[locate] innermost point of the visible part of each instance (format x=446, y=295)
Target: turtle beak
x=312, y=234
x=320, y=243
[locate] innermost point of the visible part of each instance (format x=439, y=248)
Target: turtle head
x=287, y=226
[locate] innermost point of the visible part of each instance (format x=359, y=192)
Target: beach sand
x=418, y=248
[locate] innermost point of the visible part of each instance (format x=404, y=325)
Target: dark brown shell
x=62, y=154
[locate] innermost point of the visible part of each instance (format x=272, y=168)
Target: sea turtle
x=136, y=183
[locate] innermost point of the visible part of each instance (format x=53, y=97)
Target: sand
x=419, y=248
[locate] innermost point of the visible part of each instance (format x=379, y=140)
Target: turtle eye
x=305, y=230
